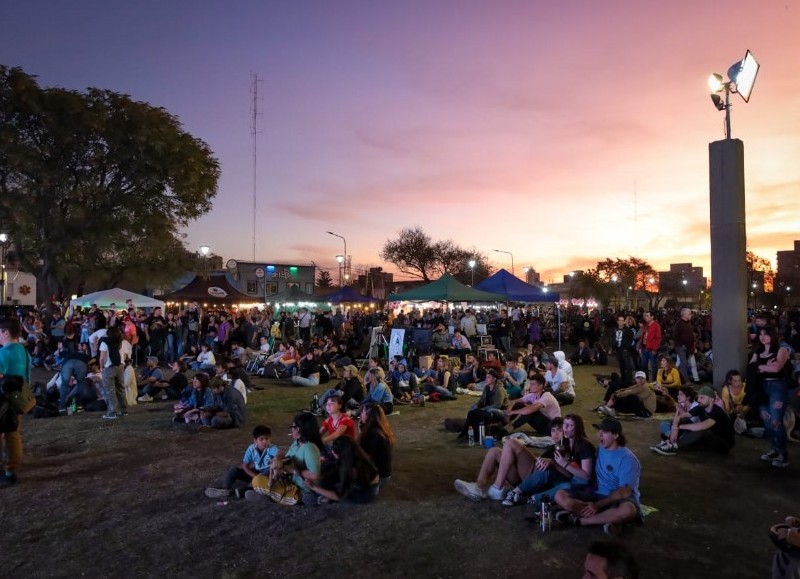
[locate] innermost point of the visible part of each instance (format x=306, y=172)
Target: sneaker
x=512, y=499
x=145, y=398
x=470, y=490
x=462, y=391
x=495, y=493
x=666, y=449
x=608, y=411
x=770, y=456
x=215, y=493
x=568, y=518
x=8, y=480
x=110, y=416
x=781, y=461
x=612, y=529
x=662, y=444
x=164, y=397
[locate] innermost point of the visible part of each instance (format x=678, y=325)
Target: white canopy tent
x=116, y=296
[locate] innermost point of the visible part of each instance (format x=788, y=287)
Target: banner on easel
x=396, y=342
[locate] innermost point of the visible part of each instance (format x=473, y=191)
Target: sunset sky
x=563, y=132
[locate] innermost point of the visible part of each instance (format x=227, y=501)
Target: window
x=309, y=288
x=252, y=287
x=272, y=288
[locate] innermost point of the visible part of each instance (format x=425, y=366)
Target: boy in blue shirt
x=257, y=459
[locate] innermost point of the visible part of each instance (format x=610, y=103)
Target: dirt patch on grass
x=100, y=498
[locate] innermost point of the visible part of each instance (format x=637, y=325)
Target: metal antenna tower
x=254, y=80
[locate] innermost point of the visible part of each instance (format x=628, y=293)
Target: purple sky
x=563, y=132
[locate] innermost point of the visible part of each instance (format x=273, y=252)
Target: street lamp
x=205, y=250
x=685, y=283
x=340, y=259
x=512, y=259
x=346, y=275
x=741, y=78
x=471, y=263
x=4, y=243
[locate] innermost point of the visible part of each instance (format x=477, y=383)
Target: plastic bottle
x=481, y=433
x=470, y=437
x=74, y=406
x=544, y=516
x=315, y=403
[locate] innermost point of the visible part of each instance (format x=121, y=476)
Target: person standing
x=650, y=343
x=683, y=334
x=622, y=344
x=14, y=361
x=110, y=361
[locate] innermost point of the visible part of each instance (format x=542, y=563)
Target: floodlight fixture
x=741, y=78
x=205, y=250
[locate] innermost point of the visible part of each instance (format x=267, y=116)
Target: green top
x=15, y=361
x=304, y=457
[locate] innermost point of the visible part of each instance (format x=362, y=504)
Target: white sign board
x=396, y=342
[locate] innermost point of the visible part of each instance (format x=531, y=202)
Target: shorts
x=589, y=495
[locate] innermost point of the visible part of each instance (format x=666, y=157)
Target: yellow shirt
x=673, y=377
x=738, y=399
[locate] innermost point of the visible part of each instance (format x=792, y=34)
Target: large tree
x=620, y=280
x=414, y=253
x=94, y=186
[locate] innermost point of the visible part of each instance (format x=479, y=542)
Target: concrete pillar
x=728, y=265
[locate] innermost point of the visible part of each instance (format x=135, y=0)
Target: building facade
x=269, y=281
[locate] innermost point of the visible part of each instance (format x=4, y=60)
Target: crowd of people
x=520, y=385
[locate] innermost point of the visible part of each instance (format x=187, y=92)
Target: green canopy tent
x=446, y=289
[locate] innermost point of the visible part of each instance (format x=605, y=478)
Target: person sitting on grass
x=301, y=461
x=349, y=477
x=568, y=464
x=470, y=374
x=378, y=391
x=558, y=384
x=228, y=409
x=257, y=460
x=712, y=430
x=377, y=439
x=514, y=378
x=338, y=423
x=512, y=463
x=351, y=389
x=609, y=560
x=733, y=395
x=489, y=409
x=435, y=382
x=150, y=378
x=616, y=498
x=638, y=399
x=178, y=385
x=308, y=370
x=668, y=378
x=201, y=397
x=205, y=359
x=537, y=408
x=687, y=399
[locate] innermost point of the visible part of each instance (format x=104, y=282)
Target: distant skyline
x=564, y=133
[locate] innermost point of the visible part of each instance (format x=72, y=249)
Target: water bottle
x=470, y=437
x=481, y=433
x=74, y=407
x=544, y=516
x=315, y=403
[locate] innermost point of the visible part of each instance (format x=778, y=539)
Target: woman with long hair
x=768, y=367
x=350, y=477
x=377, y=439
x=302, y=460
x=668, y=378
x=378, y=391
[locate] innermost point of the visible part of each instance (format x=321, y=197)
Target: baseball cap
x=640, y=374
x=609, y=425
x=707, y=391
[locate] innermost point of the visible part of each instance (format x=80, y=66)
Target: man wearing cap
x=616, y=500
x=711, y=429
x=638, y=399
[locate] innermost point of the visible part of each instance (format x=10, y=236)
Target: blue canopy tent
x=514, y=289
x=346, y=295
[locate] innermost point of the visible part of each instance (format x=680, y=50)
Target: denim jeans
x=772, y=415
x=70, y=368
x=114, y=390
x=310, y=381
x=650, y=363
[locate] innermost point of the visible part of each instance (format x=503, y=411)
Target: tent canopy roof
x=514, y=289
x=116, y=296
x=446, y=289
x=217, y=289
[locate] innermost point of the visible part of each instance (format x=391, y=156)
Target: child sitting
x=257, y=460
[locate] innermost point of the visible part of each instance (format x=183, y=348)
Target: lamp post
x=685, y=282
x=512, y=259
x=346, y=273
x=340, y=259
x=471, y=263
x=728, y=223
x=4, y=243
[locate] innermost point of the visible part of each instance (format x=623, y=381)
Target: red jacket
x=651, y=339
